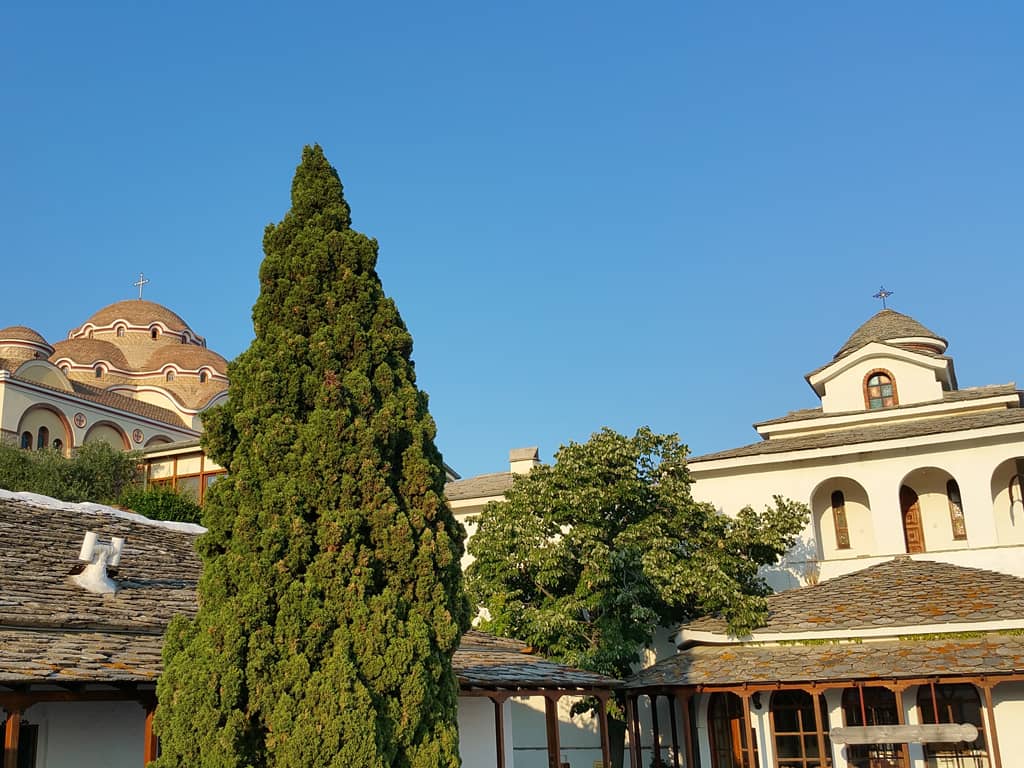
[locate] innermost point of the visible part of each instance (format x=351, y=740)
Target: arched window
x=727, y=732
x=800, y=726
x=953, y=703
x=58, y=445
x=202, y=377
x=839, y=518
x=169, y=376
x=43, y=439
x=956, y=510
x=66, y=369
x=880, y=391
x=120, y=330
x=154, y=333
x=26, y=441
x=98, y=371
x=871, y=706
x=184, y=338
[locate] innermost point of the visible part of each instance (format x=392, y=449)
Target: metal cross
x=883, y=295
x=140, y=283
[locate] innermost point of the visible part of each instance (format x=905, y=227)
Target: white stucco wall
x=89, y=734
x=477, y=736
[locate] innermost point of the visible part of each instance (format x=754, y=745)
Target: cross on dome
x=882, y=294
x=142, y=281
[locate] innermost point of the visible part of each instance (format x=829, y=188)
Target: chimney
x=522, y=460
x=99, y=557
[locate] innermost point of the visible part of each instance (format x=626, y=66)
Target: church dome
x=188, y=357
x=891, y=327
x=23, y=333
x=89, y=351
x=138, y=312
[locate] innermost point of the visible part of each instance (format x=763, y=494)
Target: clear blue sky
x=589, y=213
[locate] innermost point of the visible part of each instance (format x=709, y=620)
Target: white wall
x=89, y=734
x=477, y=736
x=914, y=384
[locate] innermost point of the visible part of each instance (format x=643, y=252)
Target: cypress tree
x=331, y=598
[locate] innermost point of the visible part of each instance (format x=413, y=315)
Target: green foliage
x=331, y=599
x=586, y=558
x=95, y=472
x=160, y=502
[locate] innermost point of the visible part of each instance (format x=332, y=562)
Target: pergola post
x=675, y=731
x=655, y=729
x=749, y=730
x=499, y=729
x=634, y=733
x=990, y=735
x=551, y=719
x=602, y=712
x=150, y=747
x=12, y=730
x=897, y=691
x=684, y=705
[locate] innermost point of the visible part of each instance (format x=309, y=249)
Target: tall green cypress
x=331, y=599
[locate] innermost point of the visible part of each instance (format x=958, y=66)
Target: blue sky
x=588, y=213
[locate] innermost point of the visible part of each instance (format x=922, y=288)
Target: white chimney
x=522, y=460
x=93, y=577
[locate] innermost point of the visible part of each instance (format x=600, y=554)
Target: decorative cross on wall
x=882, y=294
x=142, y=281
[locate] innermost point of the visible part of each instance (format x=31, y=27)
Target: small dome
x=138, y=312
x=89, y=351
x=891, y=327
x=22, y=333
x=187, y=357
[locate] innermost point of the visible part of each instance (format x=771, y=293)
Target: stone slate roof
x=188, y=357
x=494, y=484
x=870, y=433
x=956, y=396
x=897, y=593
x=731, y=665
x=89, y=351
x=52, y=630
x=884, y=326
x=23, y=333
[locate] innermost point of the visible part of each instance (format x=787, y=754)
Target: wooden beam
x=817, y=699
x=150, y=748
x=631, y=729
x=684, y=704
x=12, y=730
x=551, y=720
x=655, y=730
x=748, y=730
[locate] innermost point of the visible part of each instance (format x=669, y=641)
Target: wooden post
x=150, y=751
x=904, y=748
x=684, y=703
x=551, y=717
x=606, y=747
x=633, y=731
x=749, y=731
x=12, y=730
x=499, y=730
x=655, y=729
x=990, y=732
x=675, y=730
x=819, y=726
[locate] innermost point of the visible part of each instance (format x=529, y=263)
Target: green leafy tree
x=586, y=558
x=95, y=472
x=158, y=502
x=331, y=599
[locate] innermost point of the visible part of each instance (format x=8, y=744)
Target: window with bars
x=800, y=728
x=871, y=706
x=953, y=703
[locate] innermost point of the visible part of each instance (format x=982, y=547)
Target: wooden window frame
x=839, y=520
x=941, y=705
x=732, y=723
x=815, y=729
x=867, y=390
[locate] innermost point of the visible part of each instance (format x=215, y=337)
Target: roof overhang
x=942, y=366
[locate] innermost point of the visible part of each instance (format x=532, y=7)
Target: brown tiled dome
x=22, y=333
x=888, y=326
x=188, y=357
x=138, y=312
x=89, y=351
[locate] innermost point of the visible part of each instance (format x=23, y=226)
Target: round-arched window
x=169, y=376
x=881, y=393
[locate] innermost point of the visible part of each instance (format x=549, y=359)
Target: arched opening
x=1008, y=500
x=98, y=371
x=953, y=703
x=842, y=519
x=880, y=390
x=108, y=433
x=799, y=724
x=43, y=439
x=58, y=445
x=871, y=706
x=119, y=332
x=203, y=376
x=934, y=516
x=44, y=423
x=169, y=376
x=26, y=441
x=727, y=732
x=154, y=333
